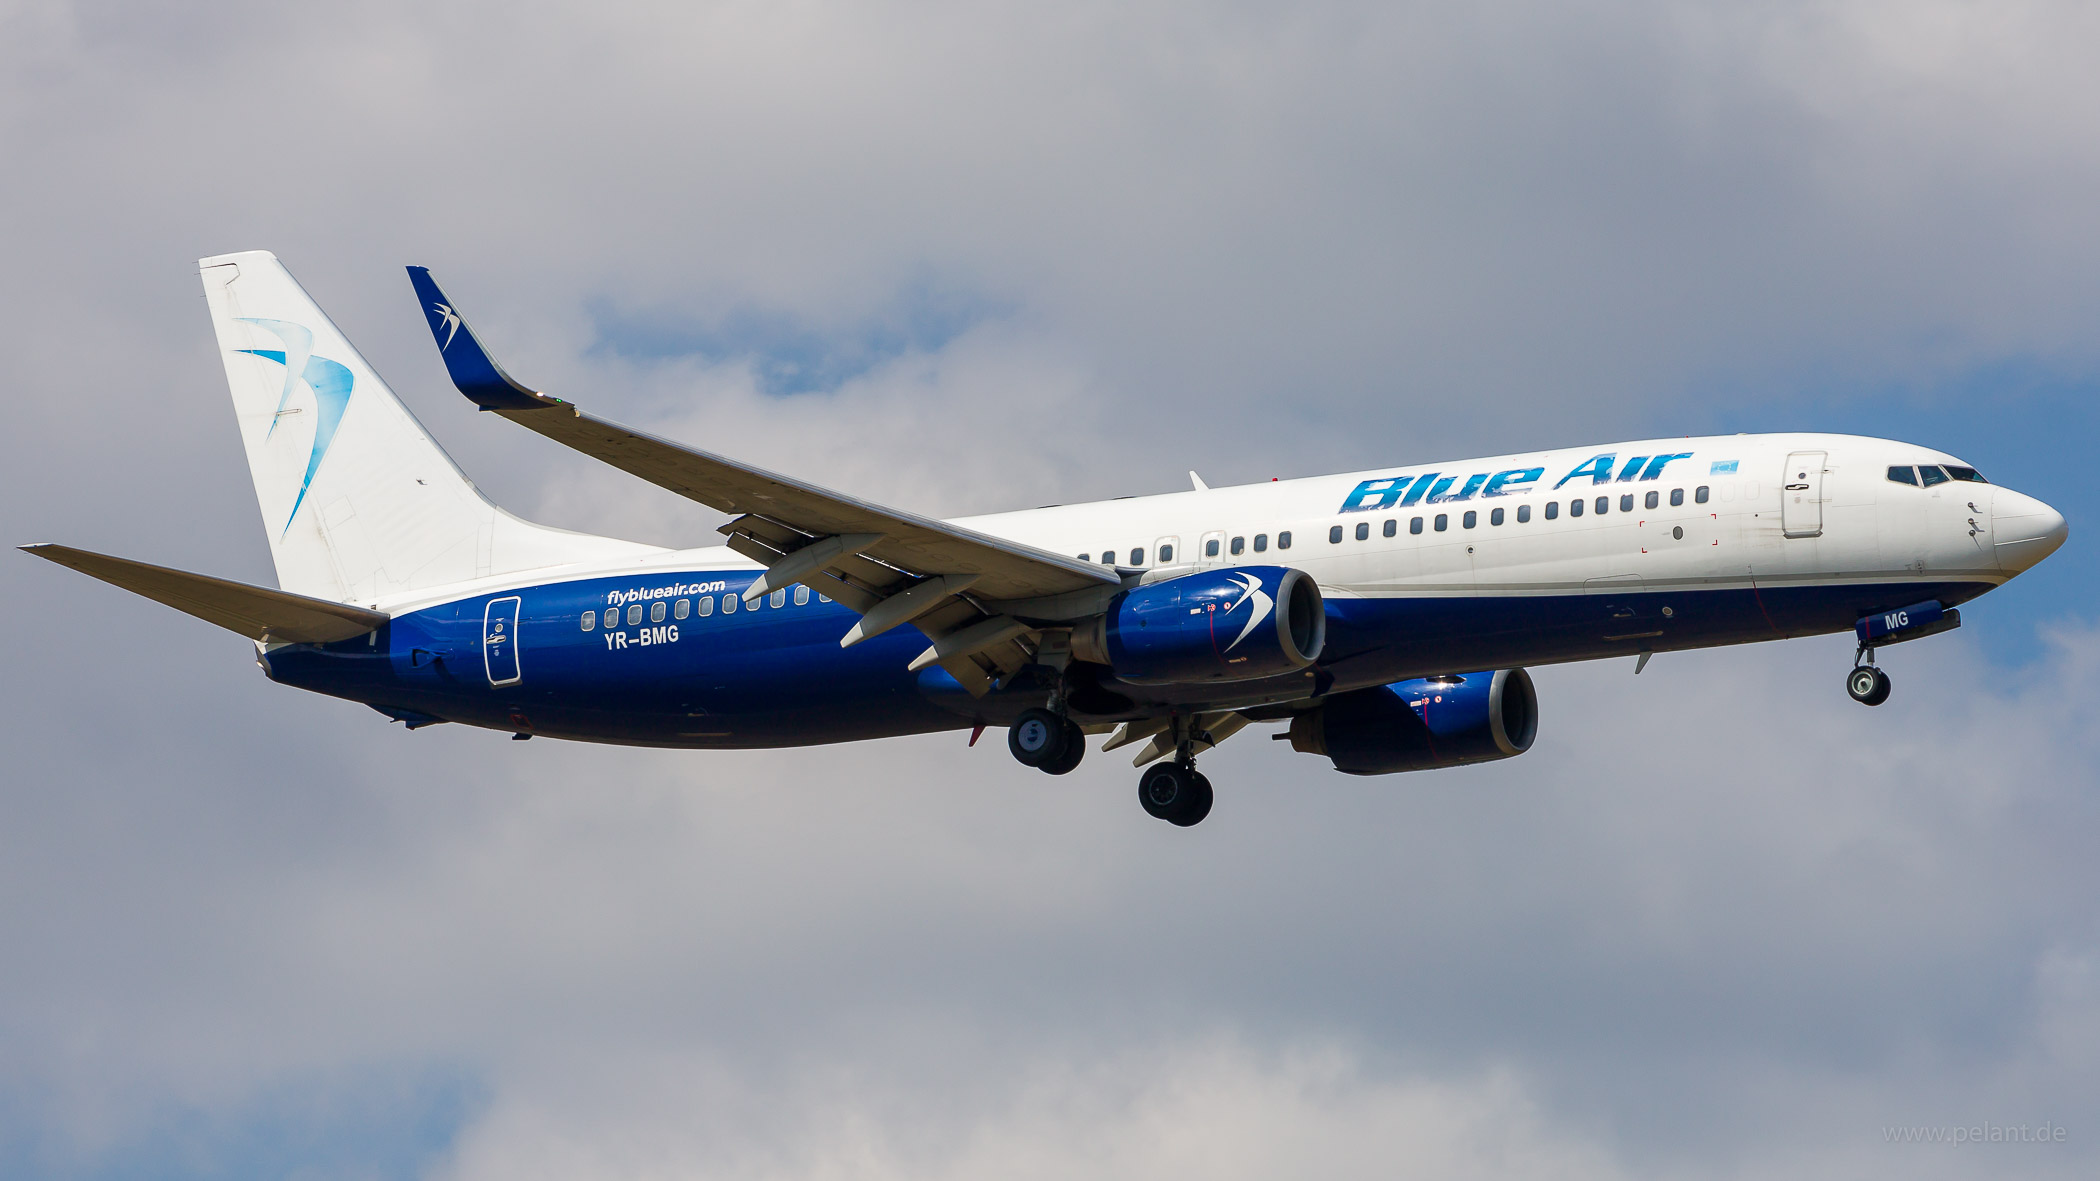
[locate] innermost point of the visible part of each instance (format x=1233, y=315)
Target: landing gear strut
x=1867, y=684
x=1047, y=741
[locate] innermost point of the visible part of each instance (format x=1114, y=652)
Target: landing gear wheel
x=1175, y=794
x=1039, y=738
x=1867, y=685
x=1075, y=750
x=1199, y=801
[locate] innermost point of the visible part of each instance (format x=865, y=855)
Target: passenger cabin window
x=1392, y=527
x=658, y=610
x=1523, y=513
x=1471, y=519
x=1443, y=522
x=1553, y=509
x=612, y=617
x=1415, y=525
x=1363, y=531
x=681, y=608
x=1334, y=535
x=1931, y=474
x=1166, y=554
x=1239, y=546
x=729, y=604
x=1699, y=494
x=1603, y=505
x=1137, y=557
x=634, y=614
x=1108, y=557
x=1086, y=557
x=1574, y=508
x=780, y=597
x=1904, y=474
x=1654, y=500
x=707, y=606
x=1495, y=518
x=801, y=596
x=1261, y=542
x=1676, y=497
x=1283, y=540
x=590, y=620
x=1966, y=474
x=1626, y=503
x=1210, y=548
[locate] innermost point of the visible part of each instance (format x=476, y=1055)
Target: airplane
x=1384, y=618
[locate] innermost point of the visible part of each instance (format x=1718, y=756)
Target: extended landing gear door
x=499, y=641
x=1801, y=494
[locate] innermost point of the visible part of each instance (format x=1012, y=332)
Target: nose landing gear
x=1867, y=684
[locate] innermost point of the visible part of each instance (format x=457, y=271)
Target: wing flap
x=271, y=616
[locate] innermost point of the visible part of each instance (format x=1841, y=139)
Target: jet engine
x=1422, y=724
x=1237, y=624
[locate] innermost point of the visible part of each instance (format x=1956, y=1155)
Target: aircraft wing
x=890, y=566
x=259, y=613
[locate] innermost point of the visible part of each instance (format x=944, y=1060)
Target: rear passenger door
x=499, y=641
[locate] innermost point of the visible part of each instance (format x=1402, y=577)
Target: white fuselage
x=1723, y=516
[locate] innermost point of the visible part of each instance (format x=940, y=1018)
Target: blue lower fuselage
x=772, y=675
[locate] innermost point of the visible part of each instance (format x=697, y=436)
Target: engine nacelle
x=1423, y=724
x=1237, y=624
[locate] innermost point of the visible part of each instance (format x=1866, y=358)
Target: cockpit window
x=1932, y=475
x=1967, y=474
x=1904, y=475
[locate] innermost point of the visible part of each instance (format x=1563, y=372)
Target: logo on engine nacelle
x=1251, y=588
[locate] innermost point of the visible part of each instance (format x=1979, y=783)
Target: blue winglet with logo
x=473, y=370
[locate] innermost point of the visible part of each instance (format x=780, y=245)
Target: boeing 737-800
x=1383, y=617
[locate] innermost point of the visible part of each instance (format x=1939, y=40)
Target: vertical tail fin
x=358, y=501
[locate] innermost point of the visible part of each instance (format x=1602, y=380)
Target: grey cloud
x=1717, y=922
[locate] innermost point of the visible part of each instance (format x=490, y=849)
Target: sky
x=960, y=258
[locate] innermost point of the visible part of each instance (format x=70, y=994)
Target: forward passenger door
x=1801, y=494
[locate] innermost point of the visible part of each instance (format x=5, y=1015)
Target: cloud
x=1209, y=1108
x=1719, y=921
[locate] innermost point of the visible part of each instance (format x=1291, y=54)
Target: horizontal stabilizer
x=272, y=616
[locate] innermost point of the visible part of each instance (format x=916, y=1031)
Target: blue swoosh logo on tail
x=330, y=381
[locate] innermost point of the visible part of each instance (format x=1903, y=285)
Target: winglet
x=473, y=370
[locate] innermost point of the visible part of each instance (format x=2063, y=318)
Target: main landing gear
x=1046, y=741
x=1175, y=792
x=1867, y=684
x=1171, y=791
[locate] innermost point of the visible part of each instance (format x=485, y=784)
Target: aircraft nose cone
x=2025, y=530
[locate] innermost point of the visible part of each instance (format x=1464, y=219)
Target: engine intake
x=1423, y=724
x=1237, y=624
